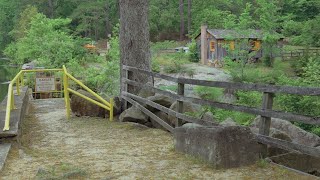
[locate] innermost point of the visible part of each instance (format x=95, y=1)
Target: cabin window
x=232, y=47
x=212, y=48
x=255, y=45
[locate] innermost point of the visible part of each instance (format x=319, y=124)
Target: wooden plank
x=288, y=145
x=149, y=113
x=180, y=103
x=245, y=109
x=267, y=102
x=134, y=69
x=170, y=111
x=311, y=91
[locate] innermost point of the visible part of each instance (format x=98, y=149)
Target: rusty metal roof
x=232, y=34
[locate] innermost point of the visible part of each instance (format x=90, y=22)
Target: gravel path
x=52, y=147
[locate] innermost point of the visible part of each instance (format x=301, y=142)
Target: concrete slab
x=21, y=103
x=4, y=151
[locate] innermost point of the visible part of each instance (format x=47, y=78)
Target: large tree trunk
x=182, y=30
x=134, y=40
x=189, y=16
x=51, y=8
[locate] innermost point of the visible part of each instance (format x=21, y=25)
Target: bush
x=210, y=93
x=193, y=52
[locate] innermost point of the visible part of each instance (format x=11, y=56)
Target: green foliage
x=62, y=171
x=262, y=163
x=48, y=42
x=193, y=52
x=156, y=47
x=257, y=73
x=24, y=22
x=173, y=88
x=88, y=16
x=312, y=71
x=211, y=93
x=114, y=53
x=8, y=13
x=243, y=98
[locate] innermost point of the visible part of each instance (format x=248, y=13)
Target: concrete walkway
x=52, y=147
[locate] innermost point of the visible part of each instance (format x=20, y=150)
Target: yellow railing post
x=22, y=79
x=66, y=92
x=12, y=99
x=8, y=109
x=111, y=109
x=18, y=86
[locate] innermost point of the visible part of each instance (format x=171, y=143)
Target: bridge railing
x=104, y=104
x=18, y=80
x=266, y=112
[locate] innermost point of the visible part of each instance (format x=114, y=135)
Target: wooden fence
x=300, y=53
x=266, y=111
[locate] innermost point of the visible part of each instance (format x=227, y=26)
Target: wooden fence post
x=267, y=102
x=265, y=122
x=180, y=103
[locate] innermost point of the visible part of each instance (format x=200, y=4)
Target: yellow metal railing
x=106, y=105
x=19, y=81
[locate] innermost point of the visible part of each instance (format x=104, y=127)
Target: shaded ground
x=91, y=148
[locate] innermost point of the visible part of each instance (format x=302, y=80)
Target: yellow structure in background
x=18, y=80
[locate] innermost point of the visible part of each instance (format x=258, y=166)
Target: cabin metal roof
x=232, y=34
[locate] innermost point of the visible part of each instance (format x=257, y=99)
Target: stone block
x=223, y=147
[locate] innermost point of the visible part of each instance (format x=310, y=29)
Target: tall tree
x=134, y=39
x=189, y=16
x=182, y=29
x=268, y=14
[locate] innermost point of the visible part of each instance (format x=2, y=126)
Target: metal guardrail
x=18, y=80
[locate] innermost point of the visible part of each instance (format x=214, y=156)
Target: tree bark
x=182, y=30
x=134, y=40
x=51, y=8
x=189, y=16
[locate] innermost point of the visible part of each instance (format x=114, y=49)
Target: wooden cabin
x=215, y=44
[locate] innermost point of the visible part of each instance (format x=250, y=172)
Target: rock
x=223, y=147
x=187, y=107
x=228, y=122
x=208, y=116
x=160, y=99
x=82, y=107
x=162, y=116
x=297, y=134
x=301, y=162
x=133, y=115
x=136, y=125
x=191, y=125
x=274, y=151
x=116, y=106
x=228, y=96
x=145, y=92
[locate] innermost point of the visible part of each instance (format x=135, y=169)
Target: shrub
x=193, y=52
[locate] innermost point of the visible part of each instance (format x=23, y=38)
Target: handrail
x=66, y=76
x=106, y=105
x=10, y=100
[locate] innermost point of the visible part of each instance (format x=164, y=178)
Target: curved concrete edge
x=4, y=151
x=17, y=115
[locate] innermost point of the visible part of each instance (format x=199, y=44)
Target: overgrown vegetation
x=282, y=73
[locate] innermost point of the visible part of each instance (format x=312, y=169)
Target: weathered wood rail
x=300, y=53
x=266, y=112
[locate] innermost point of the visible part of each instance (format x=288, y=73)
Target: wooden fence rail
x=266, y=111
x=300, y=53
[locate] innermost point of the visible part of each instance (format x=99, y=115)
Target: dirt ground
x=52, y=147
